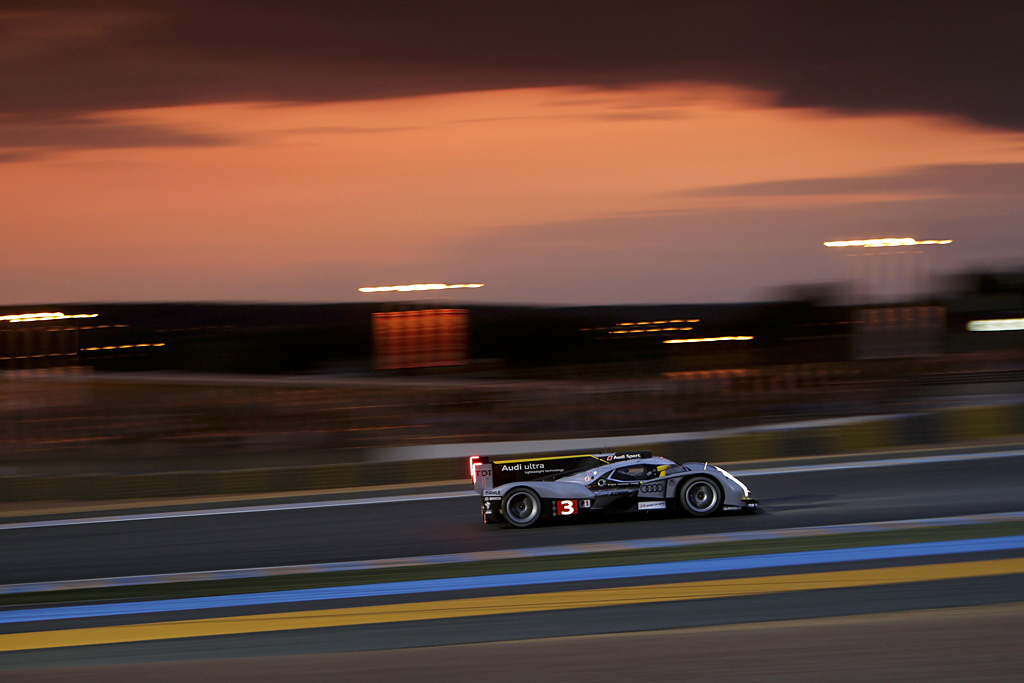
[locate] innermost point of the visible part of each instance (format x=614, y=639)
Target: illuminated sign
x=997, y=325
x=44, y=316
x=122, y=346
x=421, y=339
x=706, y=339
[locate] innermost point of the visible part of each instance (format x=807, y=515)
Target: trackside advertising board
x=489, y=473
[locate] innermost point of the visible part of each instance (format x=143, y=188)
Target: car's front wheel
x=521, y=507
x=700, y=496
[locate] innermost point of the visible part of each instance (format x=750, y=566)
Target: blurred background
x=166, y=387
x=723, y=231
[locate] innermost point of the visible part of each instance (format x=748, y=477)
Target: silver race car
x=527, y=491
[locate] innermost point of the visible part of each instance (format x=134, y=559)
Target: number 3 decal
x=566, y=507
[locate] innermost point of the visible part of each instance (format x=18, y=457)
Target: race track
x=884, y=605
x=810, y=494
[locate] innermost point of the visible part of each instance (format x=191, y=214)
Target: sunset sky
x=598, y=152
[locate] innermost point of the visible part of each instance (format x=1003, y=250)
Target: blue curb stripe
x=510, y=554
x=770, y=561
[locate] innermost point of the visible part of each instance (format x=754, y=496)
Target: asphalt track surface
x=411, y=526
x=952, y=629
x=961, y=644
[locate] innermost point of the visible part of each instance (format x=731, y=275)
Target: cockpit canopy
x=631, y=471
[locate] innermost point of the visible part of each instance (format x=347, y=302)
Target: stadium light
x=417, y=288
x=43, y=316
x=885, y=242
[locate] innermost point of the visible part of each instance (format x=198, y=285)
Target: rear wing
x=488, y=473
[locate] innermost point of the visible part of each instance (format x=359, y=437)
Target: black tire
x=521, y=507
x=700, y=496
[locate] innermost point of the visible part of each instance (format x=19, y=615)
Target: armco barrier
x=841, y=436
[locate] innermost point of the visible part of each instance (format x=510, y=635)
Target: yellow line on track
x=506, y=604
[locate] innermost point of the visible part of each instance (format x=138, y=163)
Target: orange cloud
x=264, y=190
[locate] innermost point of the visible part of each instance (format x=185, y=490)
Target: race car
x=525, y=492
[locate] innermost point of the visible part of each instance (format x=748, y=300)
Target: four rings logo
x=652, y=488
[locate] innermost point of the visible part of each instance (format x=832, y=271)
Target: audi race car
x=527, y=491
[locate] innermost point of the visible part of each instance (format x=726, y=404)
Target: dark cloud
x=87, y=133
x=15, y=157
x=976, y=180
x=945, y=56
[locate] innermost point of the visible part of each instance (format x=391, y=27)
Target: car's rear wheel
x=700, y=496
x=521, y=507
